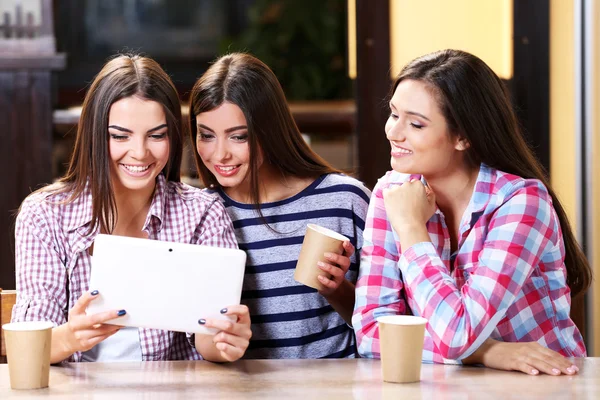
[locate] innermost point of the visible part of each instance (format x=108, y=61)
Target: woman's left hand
x=528, y=357
x=337, y=267
x=408, y=205
x=233, y=337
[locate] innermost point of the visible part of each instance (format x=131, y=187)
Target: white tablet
x=164, y=285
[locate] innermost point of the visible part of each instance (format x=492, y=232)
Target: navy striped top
x=290, y=320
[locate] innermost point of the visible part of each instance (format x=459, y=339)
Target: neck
x=132, y=209
x=453, y=190
x=272, y=187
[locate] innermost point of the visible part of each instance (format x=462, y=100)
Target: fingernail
x=535, y=372
x=320, y=263
x=574, y=368
x=328, y=255
x=121, y=313
x=224, y=311
x=94, y=293
x=555, y=371
x=201, y=321
x=571, y=369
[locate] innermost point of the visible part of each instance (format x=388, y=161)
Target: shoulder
x=515, y=197
x=45, y=203
x=508, y=186
x=193, y=199
x=341, y=183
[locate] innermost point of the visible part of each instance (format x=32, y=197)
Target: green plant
x=303, y=41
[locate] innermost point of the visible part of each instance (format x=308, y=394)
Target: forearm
x=479, y=356
x=207, y=349
x=61, y=347
x=411, y=234
x=342, y=300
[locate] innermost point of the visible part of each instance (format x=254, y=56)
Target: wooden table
x=305, y=379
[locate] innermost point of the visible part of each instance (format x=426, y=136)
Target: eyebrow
x=228, y=130
x=411, y=112
x=120, y=128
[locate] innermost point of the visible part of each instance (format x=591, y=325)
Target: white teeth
x=135, y=168
x=226, y=169
x=404, y=151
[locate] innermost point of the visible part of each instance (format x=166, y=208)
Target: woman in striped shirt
x=251, y=154
x=467, y=228
x=123, y=179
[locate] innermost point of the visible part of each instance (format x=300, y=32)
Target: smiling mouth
x=399, y=151
x=136, y=168
x=227, y=168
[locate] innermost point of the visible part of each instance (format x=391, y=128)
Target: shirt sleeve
x=215, y=228
x=41, y=274
x=517, y=235
x=379, y=286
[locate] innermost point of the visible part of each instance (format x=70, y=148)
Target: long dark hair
x=123, y=76
x=247, y=82
x=476, y=106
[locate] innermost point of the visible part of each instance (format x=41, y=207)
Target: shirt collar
x=482, y=194
x=159, y=201
x=84, y=203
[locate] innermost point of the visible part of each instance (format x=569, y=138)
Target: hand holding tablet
x=164, y=285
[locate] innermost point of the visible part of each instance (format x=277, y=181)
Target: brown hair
x=247, y=82
x=124, y=76
x=476, y=106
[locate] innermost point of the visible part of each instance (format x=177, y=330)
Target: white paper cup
x=28, y=353
x=317, y=241
x=401, y=346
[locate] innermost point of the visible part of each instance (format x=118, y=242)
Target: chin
x=403, y=169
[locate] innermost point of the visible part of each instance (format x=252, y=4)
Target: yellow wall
x=562, y=103
x=481, y=27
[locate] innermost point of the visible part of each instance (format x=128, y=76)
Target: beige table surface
x=306, y=379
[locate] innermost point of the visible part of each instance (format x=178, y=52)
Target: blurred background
x=335, y=60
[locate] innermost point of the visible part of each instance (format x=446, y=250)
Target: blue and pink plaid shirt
x=53, y=263
x=507, y=279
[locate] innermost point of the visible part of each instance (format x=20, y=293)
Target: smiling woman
x=465, y=230
x=123, y=179
x=252, y=156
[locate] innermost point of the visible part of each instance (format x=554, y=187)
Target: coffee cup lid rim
x=401, y=320
x=27, y=326
x=328, y=232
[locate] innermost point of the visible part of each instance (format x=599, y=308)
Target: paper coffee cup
x=401, y=346
x=317, y=241
x=28, y=353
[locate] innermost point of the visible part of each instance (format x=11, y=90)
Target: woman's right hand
x=82, y=332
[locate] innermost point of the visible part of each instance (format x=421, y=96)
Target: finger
x=348, y=248
x=229, y=352
x=557, y=361
x=541, y=366
x=241, y=311
x=328, y=283
x=240, y=342
x=103, y=330
x=332, y=269
x=102, y=317
x=83, y=302
x=89, y=343
x=341, y=261
x=526, y=368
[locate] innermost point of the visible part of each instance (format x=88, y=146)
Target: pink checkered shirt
x=53, y=263
x=507, y=279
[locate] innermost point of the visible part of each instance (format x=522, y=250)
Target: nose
x=222, y=150
x=394, y=130
x=139, y=147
